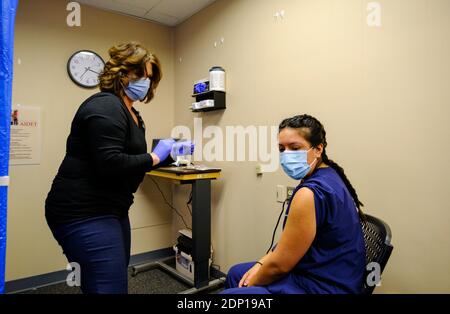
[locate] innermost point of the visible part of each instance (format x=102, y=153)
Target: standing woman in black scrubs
x=106, y=160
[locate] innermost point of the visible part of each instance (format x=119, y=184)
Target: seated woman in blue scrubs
x=321, y=249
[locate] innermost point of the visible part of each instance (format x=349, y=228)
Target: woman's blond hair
x=125, y=59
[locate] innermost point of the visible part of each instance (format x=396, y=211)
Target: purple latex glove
x=163, y=148
x=182, y=149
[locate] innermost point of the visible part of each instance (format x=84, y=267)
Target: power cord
x=276, y=227
x=215, y=266
x=168, y=204
x=189, y=202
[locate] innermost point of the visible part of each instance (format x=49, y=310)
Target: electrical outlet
x=259, y=170
x=281, y=193
x=290, y=192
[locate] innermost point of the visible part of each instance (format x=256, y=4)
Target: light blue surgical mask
x=138, y=89
x=295, y=163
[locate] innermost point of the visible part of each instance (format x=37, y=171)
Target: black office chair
x=377, y=239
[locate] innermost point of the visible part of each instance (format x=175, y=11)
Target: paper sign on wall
x=25, y=146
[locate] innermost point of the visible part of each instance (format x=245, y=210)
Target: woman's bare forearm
x=268, y=272
x=266, y=275
x=155, y=159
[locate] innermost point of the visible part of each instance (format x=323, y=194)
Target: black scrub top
x=106, y=160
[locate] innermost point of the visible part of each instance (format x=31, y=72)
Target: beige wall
x=382, y=94
x=44, y=43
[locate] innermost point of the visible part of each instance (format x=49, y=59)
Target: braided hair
x=314, y=133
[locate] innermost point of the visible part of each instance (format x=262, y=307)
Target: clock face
x=84, y=68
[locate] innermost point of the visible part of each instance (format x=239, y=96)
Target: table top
x=186, y=173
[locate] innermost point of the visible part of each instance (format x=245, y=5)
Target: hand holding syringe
x=181, y=152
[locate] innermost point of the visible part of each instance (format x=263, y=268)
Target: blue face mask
x=295, y=163
x=137, y=90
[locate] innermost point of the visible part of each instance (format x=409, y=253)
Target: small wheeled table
x=200, y=179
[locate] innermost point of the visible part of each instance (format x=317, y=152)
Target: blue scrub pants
x=101, y=246
x=287, y=285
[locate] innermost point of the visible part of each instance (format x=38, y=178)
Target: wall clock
x=84, y=67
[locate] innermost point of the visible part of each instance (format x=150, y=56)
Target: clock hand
x=93, y=71
x=84, y=73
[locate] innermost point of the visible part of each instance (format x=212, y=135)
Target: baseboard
x=15, y=286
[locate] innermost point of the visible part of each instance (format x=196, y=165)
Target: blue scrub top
x=335, y=262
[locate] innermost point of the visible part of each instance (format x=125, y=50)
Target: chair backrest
x=377, y=239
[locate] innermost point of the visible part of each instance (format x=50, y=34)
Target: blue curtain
x=7, y=16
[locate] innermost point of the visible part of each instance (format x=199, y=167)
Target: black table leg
x=201, y=230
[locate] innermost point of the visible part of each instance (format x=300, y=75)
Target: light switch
x=281, y=193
